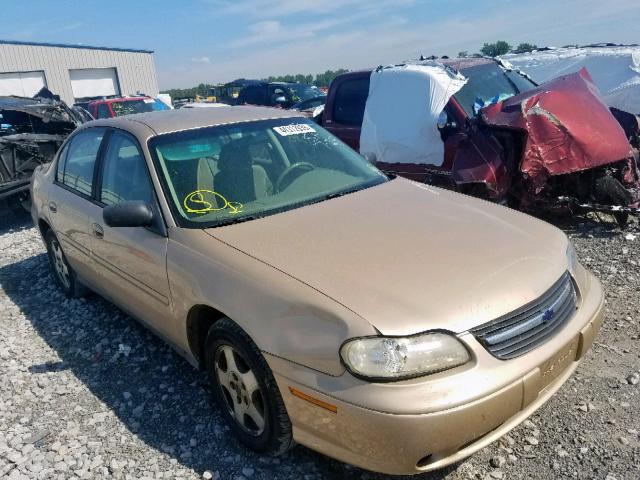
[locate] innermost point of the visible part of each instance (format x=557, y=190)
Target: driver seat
x=239, y=180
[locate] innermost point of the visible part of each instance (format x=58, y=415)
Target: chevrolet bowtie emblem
x=548, y=314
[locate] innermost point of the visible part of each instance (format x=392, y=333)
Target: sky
x=211, y=41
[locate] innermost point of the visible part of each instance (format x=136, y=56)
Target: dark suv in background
x=282, y=94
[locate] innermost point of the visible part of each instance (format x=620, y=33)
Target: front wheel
x=246, y=391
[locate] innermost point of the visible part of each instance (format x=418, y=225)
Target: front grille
x=523, y=330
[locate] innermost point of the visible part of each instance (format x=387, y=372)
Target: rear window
x=128, y=107
x=350, y=100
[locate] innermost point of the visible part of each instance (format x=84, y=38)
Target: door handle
x=53, y=207
x=98, y=231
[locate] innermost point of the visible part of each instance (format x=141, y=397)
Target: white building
x=75, y=72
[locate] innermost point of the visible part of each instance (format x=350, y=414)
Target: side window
x=275, y=92
x=62, y=158
x=124, y=175
x=81, y=158
x=255, y=95
x=349, y=102
x=103, y=111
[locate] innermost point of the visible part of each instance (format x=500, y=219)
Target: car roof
x=167, y=121
x=454, y=63
x=462, y=63
x=117, y=99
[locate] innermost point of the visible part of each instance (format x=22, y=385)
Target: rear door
x=131, y=261
x=254, y=95
x=70, y=197
x=346, y=108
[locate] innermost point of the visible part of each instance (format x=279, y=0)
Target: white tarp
x=615, y=70
x=401, y=113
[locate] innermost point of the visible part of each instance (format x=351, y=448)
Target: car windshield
x=300, y=92
x=215, y=176
x=140, y=105
x=488, y=84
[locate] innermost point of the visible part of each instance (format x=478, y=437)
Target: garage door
x=94, y=82
x=22, y=84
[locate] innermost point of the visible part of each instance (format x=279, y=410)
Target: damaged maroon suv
x=507, y=139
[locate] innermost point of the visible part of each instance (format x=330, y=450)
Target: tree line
x=319, y=80
x=500, y=47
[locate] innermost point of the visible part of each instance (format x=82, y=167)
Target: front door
x=131, y=261
x=346, y=109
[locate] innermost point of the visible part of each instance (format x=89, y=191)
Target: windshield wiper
x=513, y=84
x=234, y=220
x=342, y=193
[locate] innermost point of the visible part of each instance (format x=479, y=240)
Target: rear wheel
x=20, y=203
x=63, y=274
x=245, y=389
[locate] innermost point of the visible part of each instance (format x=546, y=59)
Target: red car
x=116, y=107
x=553, y=144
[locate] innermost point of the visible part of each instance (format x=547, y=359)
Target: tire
x=67, y=282
x=245, y=387
x=610, y=190
x=19, y=204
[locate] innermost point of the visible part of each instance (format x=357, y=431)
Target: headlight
x=572, y=259
x=395, y=358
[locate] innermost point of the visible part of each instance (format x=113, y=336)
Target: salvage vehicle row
x=477, y=126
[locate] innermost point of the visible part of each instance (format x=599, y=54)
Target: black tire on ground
x=19, y=204
x=609, y=190
x=68, y=283
x=276, y=436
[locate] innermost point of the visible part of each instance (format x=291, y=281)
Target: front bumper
x=421, y=425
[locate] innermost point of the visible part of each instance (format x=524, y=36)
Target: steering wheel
x=287, y=176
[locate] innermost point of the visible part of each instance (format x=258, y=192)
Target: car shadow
x=11, y=222
x=157, y=395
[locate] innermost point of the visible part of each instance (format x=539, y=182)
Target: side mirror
x=444, y=122
x=279, y=99
x=128, y=214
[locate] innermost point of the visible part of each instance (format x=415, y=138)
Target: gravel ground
x=86, y=392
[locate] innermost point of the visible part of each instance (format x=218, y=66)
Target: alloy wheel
x=62, y=271
x=241, y=390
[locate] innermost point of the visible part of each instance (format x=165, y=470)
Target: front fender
x=284, y=317
x=479, y=160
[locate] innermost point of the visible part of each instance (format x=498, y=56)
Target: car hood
x=409, y=258
x=568, y=126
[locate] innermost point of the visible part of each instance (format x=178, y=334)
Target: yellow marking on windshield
x=205, y=201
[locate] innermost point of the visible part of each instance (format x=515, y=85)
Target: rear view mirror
x=128, y=214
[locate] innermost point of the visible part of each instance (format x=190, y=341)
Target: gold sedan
x=385, y=323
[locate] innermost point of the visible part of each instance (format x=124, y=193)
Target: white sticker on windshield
x=294, y=129
x=148, y=100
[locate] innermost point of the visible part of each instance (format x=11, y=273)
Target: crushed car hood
x=43, y=113
x=408, y=257
x=569, y=128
